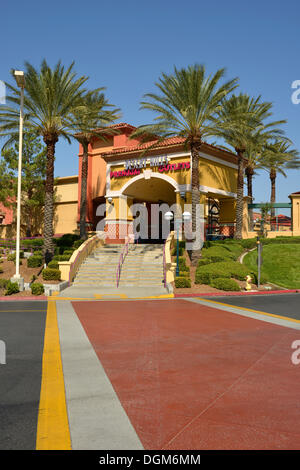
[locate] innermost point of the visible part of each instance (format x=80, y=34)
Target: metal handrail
x=164, y=264
x=121, y=261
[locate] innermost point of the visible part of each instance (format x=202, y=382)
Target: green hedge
x=220, y=252
x=180, y=251
x=34, y=261
x=248, y=243
x=12, y=288
x=12, y=257
x=33, y=242
x=204, y=262
x=66, y=240
x=225, y=284
x=182, y=282
x=61, y=257
x=37, y=288
x=77, y=244
x=68, y=252
x=50, y=274
x=53, y=264
x=38, y=253
x=225, y=269
x=3, y=283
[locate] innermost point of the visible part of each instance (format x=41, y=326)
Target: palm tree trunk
x=83, y=196
x=195, y=254
x=249, y=173
x=273, y=189
x=50, y=142
x=240, y=196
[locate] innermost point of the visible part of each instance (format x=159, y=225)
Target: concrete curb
x=21, y=299
x=231, y=294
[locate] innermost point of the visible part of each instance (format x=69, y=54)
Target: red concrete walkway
x=193, y=377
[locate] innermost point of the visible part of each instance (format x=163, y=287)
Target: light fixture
x=168, y=215
x=182, y=194
x=20, y=78
x=110, y=200
x=186, y=216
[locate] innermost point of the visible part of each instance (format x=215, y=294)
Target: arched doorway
x=150, y=198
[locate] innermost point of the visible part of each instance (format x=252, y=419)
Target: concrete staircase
x=143, y=267
x=99, y=269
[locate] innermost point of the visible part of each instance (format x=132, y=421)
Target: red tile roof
x=171, y=141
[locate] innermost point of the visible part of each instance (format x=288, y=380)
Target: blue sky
x=125, y=46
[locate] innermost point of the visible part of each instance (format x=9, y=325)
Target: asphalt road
x=22, y=326
x=287, y=305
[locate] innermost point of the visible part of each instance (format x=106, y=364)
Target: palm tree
x=254, y=156
x=50, y=98
x=237, y=121
x=91, y=120
x=187, y=101
x=277, y=157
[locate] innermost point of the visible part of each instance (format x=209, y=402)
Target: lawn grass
x=281, y=264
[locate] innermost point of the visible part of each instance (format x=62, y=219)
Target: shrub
x=182, y=244
x=204, y=261
x=77, y=244
x=182, y=264
x=12, y=257
x=12, y=288
x=53, y=264
x=184, y=273
x=1, y=270
x=50, y=274
x=180, y=251
x=61, y=249
x=61, y=257
x=33, y=242
x=38, y=253
x=225, y=269
x=66, y=240
x=182, y=282
x=248, y=243
x=34, y=261
x=203, y=277
x=3, y=283
x=37, y=288
x=225, y=284
x=220, y=253
x=254, y=275
x=68, y=252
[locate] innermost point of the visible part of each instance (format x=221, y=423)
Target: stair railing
x=121, y=261
x=164, y=264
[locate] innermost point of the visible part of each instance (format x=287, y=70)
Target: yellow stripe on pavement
x=53, y=427
x=252, y=310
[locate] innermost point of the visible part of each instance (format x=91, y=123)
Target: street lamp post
x=20, y=79
x=186, y=216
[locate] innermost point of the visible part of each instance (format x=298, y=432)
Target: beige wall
x=66, y=201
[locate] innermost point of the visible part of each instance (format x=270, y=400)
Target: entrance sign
x=142, y=162
x=161, y=168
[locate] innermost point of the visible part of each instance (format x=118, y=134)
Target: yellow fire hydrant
x=248, y=280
